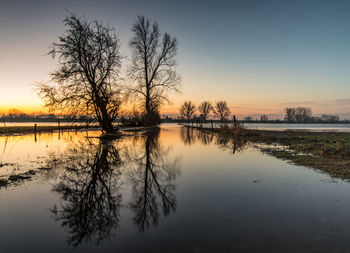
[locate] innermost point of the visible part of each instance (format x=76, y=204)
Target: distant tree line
x=297, y=114
x=221, y=112
x=304, y=115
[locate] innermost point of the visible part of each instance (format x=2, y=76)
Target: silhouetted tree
x=204, y=109
x=222, y=111
x=290, y=114
x=264, y=118
x=298, y=114
x=153, y=62
x=302, y=114
x=187, y=110
x=86, y=79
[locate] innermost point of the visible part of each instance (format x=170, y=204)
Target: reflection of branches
x=153, y=181
x=205, y=137
x=190, y=135
x=234, y=144
x=91, y=192
x=187, y=135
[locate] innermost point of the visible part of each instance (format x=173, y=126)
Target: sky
x=260, y=56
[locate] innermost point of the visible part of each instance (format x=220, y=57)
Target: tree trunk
x=148, y=107
x=105, y=121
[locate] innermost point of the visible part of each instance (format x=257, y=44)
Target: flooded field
x=171, y=189
x=294, y=127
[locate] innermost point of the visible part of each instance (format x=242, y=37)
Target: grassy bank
x=326, y=151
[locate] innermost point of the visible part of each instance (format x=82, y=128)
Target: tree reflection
x=205, y=137
x=90, y=185
x=153, y=178
x=90, y=191
x=234, y=144
x=188, y=135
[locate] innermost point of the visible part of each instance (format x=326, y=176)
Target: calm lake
x=167, y=190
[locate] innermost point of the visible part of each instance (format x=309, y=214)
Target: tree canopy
x=88, y=67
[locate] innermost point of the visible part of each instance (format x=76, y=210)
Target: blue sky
x=260, y=56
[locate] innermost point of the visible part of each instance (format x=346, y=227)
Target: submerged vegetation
x=15, y=178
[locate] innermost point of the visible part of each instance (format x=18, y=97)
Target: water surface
x=343, y=127
x=167, y=190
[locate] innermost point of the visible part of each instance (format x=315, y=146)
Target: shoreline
x=24, y=130
x=328, y=152
x=27, y=130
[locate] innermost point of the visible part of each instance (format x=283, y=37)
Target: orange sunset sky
x=259, y=56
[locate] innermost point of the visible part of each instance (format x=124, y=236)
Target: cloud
x=334, y=102
x=236, y=107
x=345, y=102
x=299, y=103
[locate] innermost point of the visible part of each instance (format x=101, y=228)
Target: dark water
x=167, y=190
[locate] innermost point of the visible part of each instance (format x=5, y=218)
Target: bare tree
x=290, y=114
x=187, y=110
x=298, y=114
x=85, y=82
x=205, y=108
x=222, y=111
x=152, y=69
x=264, y=118
x=302, y=114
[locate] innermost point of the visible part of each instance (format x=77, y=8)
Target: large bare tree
x=85, y=82
x=152, y=69
x=204, y=109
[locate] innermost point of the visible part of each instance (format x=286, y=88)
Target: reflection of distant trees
x=188, y=135
x=153, y=178
x=235, y=143
x=90, y=191
x=205, y=137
